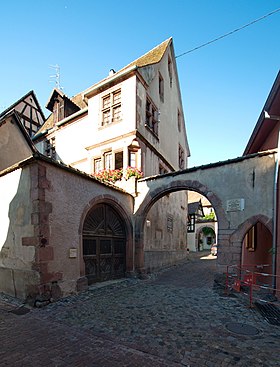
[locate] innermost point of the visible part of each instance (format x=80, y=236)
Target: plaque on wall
x=235, y=205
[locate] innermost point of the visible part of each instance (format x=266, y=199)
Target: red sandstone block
x=46, y=253
x=29, y=241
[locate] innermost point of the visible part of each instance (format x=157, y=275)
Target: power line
x=229, y=33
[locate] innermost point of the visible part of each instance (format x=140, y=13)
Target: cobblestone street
x=173, y=318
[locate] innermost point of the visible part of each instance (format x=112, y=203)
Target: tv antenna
x=56, y=77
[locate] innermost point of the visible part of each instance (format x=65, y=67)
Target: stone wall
x=41, y=250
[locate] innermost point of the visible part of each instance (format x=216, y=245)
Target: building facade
x=131, y=119
x=65, y=227
x=202, y=223
x=261, y=245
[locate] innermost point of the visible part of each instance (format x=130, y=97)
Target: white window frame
x=112, y=107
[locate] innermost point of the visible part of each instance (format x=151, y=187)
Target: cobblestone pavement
x=173, y=318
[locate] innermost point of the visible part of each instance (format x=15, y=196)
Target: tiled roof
x=151, y=57
x=78, y=100
x=193, y=207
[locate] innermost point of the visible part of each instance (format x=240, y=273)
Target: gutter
x=87, y=94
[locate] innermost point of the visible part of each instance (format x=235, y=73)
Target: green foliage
x=207, y=231
x=210, y=216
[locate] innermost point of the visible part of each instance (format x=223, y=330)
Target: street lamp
x=274, y=247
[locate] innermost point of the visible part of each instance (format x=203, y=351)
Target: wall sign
x=235, y=205
x=73, y=253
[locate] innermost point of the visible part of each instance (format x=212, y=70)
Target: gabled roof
x=151, y=57
x=194, y=207
x=16, y=144
x=264, y=127
x=76, y=100
x=57, y=92
x=30, y=94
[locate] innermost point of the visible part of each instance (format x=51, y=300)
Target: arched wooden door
x=104, y=244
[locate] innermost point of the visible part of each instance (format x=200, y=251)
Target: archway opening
x=256, y=248
x=104, y=244
x=206, y=239
x=202, y=224
x=171, y=230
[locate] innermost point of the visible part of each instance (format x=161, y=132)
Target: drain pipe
x=275, y=190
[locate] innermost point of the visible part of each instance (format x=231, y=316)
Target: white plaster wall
x=101, y=134
x=71, y=140
x=16, y=261
x=15, y=219
x=169, y=134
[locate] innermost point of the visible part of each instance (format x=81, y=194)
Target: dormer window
x=111, y=108
x=58, y=110
x=61, y=106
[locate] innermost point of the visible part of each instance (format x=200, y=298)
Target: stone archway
x=237, y=238
x=154, y=195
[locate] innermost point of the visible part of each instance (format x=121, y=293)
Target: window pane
x=106, y=101
x=117, y=97
x=97, y=165
x=116, y=113
x=106, y=117
x=108, y=161
x=132, y=159
x=118, y=160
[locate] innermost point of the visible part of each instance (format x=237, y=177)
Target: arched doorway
x=206, y=238
x=104, y=244
x=256, y=247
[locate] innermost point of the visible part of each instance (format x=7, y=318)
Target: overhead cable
x=229, y=33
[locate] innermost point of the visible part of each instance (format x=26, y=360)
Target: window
x=162, y=170
x=170, y=72
x=250, y=239
x=181, y=157
x=161, y=88
x=116, y=106
x=191, y=223
x=97, y=165
x=132, y=159
x=111, y=108
x=108, y=160
x=50, y=148
x=118, y=160
x=151, y=116
x=179, y=119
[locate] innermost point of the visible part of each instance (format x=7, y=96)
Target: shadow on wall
x=17, y=254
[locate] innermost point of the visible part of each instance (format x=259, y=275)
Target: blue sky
x=224, y=85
